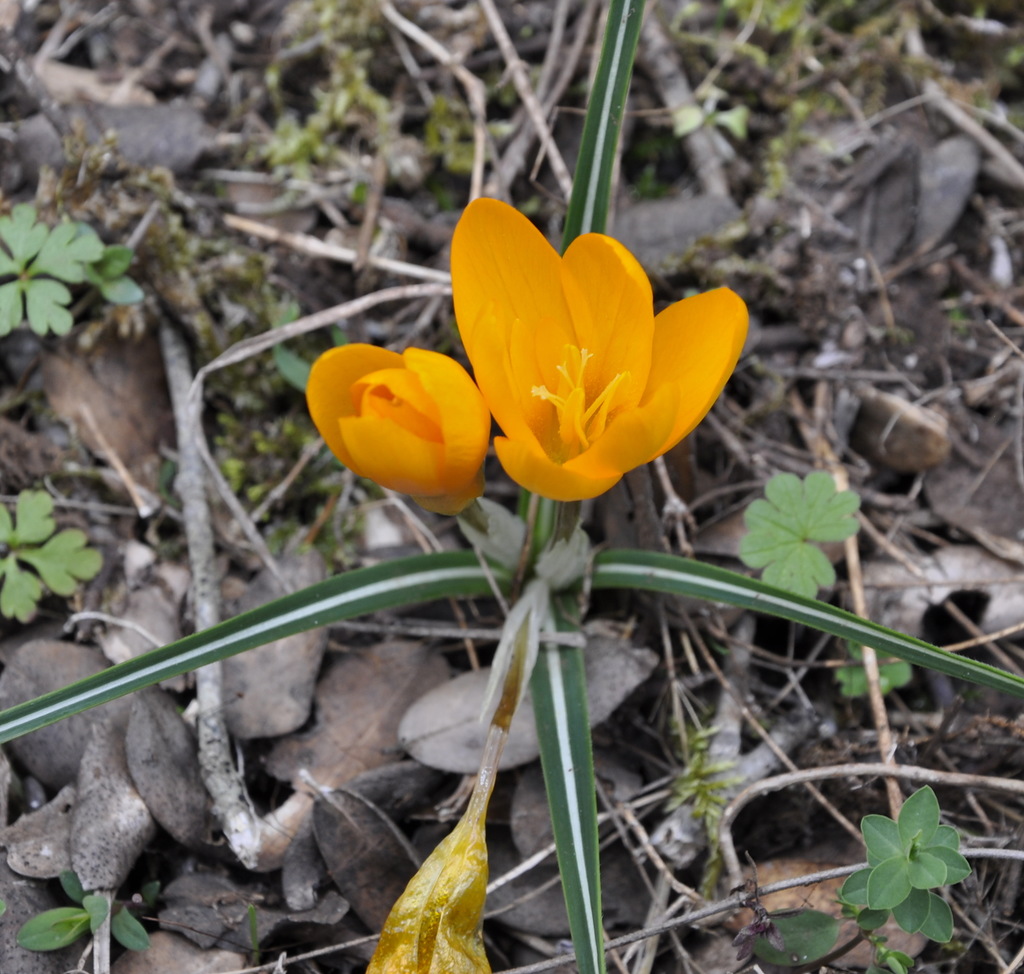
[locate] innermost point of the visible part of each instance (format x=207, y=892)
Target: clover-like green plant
x=782, y=527
x=61, y=560
x=54, y=929
x=907, y=859
x=39, y=262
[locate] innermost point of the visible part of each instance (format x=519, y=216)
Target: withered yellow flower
x=584, y=380
x=413, y=422
x=435, y=927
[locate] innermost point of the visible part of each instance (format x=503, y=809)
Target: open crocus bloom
x=413, y=422
x=584, y=380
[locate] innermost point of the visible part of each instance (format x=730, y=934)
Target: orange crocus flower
x=584, y=380
x=413, y=422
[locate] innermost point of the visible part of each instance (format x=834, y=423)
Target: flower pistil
x=578, y=422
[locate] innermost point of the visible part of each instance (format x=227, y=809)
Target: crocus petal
x=455, y=500
x=376, y=444
x=532, y=468
x=506, y=282
x=611, y=303
x=461, y=410
x=329, y=389
x=636, y=436
x=585, y=382
x=697, y=343
x=501, y=264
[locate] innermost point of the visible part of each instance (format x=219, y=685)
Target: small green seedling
x=54, y=929
x=907, y=859
x=60, y=560
x=109, y=275
x=782, y=528
x=853, y=681
x=689, y=118
x=40, y=262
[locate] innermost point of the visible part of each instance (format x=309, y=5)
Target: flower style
x=584, y=380
x=413, y=422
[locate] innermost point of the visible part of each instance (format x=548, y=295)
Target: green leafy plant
x=54, y=929
x=39, y=263
x=689, y=118
x=109, y=275
x=853, y=681
x=782, y=529
x=60, y=560
x=907, y=859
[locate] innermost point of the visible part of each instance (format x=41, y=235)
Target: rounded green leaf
x=919, y=817
x=122, y=290
x=888, y=884
x=947, y=836
x=855, y=889
x=97, y=908
x=872, y=919
x=115, y=261
x=926, y=871
x=882, y=838
x=808, y=935
x=71, y=885
x=957, y=867
x=939, y=924
x=912, y=913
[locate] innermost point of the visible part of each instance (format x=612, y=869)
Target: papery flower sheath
x=413, y=422
x=584, y=380
x=436, y=925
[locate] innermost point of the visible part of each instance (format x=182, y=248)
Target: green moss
x=338, y=43
x=449, y=135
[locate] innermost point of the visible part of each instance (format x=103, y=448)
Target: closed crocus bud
x=413, y=422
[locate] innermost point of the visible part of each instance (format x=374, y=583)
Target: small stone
x=898, y=434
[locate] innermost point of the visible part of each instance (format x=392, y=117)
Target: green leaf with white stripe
x=560, y=709
x=656, y=572
x=386, y=586
x=592, y=181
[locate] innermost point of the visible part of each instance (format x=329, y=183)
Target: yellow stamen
x=579, y=422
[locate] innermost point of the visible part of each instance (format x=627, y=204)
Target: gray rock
x=947, y=176
x=658, y=230
x=172, y=136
